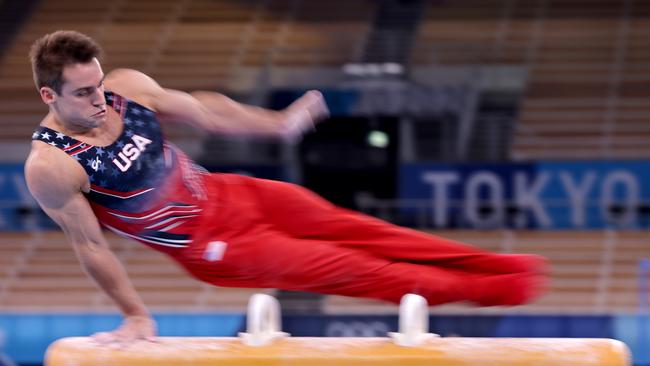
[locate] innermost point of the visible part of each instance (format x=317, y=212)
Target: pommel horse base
x=264, y=344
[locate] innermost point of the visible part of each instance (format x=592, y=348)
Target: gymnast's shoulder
x=134, y=85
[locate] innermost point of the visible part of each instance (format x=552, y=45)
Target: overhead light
x=378, y=139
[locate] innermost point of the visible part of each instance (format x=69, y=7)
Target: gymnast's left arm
x=215, y=112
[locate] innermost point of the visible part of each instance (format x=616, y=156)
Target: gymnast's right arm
x=56, y=182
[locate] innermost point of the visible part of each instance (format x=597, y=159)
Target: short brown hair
x=54, y=51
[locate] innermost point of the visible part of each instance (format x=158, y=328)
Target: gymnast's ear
x=48, y=95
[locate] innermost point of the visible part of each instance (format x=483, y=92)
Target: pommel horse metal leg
x=264, y=344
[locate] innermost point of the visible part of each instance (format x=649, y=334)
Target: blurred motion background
x=513, y=125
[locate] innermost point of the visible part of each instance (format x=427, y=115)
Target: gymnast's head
x=67, y=74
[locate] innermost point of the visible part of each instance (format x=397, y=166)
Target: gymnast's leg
x=303, y=214
x=274, y=260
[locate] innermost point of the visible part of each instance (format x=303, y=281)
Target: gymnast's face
x=81, y=105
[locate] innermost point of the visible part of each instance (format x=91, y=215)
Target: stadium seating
x=586, y=89
x=587, y=95
x=187, y=45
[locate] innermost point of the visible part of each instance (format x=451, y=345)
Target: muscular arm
x=60, y=196
x=215, y=112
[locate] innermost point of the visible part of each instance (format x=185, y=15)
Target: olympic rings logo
x=356, y=329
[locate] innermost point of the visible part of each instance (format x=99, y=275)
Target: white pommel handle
x=263, y=321
x=413, y=322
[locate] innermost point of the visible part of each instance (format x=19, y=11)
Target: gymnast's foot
x=509, y=290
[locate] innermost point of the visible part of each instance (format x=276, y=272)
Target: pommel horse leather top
x=264, y=344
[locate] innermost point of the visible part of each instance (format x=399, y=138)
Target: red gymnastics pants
x=279, y=235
